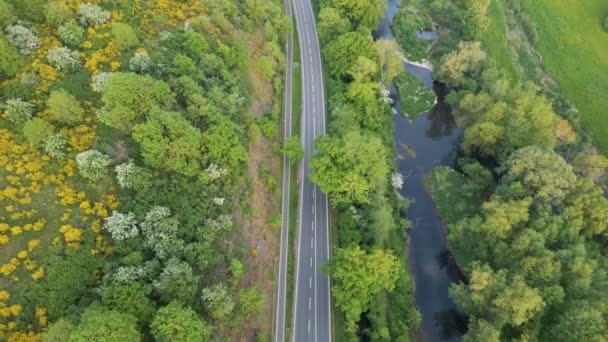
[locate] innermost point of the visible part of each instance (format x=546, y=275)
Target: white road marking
x=310, y=261
x=309, y=303
x=309, y=326
x=311, y=243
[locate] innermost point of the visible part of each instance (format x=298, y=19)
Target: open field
x=574, y=47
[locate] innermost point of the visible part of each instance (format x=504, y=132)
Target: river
x=432, y=139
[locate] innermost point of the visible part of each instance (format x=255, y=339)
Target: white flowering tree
x=17, y=111
x=140, y=62
x=99, y=81
x=397, y=181
x=215, y=172
x=92, y=164
x=176, y=281
x=121, y=226
x=218, y=301
x=63, y=59
x=22, y=38
x=159, y=230
x=131, y=176
x=55, y=145
x=91, y=14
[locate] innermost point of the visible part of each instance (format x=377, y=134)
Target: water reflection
x=452, y=324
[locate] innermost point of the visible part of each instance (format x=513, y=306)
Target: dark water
x=430, y=140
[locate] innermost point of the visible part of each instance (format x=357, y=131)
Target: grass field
x=574, y=47
x=495, y=40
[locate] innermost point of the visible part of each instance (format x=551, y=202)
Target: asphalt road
x=312, y=308
x=279, y=321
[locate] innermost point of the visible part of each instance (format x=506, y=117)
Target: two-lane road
x=312, y=309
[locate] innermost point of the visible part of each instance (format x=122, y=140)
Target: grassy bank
x=495, y=40
x=574, y=47
x=294, y=189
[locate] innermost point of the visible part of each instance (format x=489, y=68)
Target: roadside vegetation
x=525, y=206
x=353, y=165
x=126, y=129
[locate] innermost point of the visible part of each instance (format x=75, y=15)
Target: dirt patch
x=261, y=90
x=256, y=237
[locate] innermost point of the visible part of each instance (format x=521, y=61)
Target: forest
x=525, y=206
x=126, y=128
x=353, y=164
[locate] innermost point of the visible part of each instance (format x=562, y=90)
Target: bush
x=91, y=15
x=63, y=59
x=71, y=34
x=18, y=111
x=22, y=38
x=37, y=131
x=92, y=164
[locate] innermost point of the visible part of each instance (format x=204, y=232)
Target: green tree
x=64, y=108
x=250, y=300
x=131, y=298
x=343, y=52
x=176, y=282
x=128, y=98
x=66, y=281
x=59, y=331
x=10, y=60
x=391, y=59
x=222, y=144
x=351, y=167
x=468, y=61
x=124, y=36
x=178, y=323
x=479, y=330
x=7, y=14
x=169, y=141
x=71, y=33
x=543, y=174
x=293, y=149
x=332, y=24
x=498, y=296
x=98, y=324
x=218, y=301
x=581, y=321
x=359, y=276
x=362, y=13
x=56, y=13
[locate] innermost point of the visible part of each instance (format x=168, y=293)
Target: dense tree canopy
x=358, y=276
x=129, y=97
x=169, y=141
x=175, y=322
x=351, y=167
